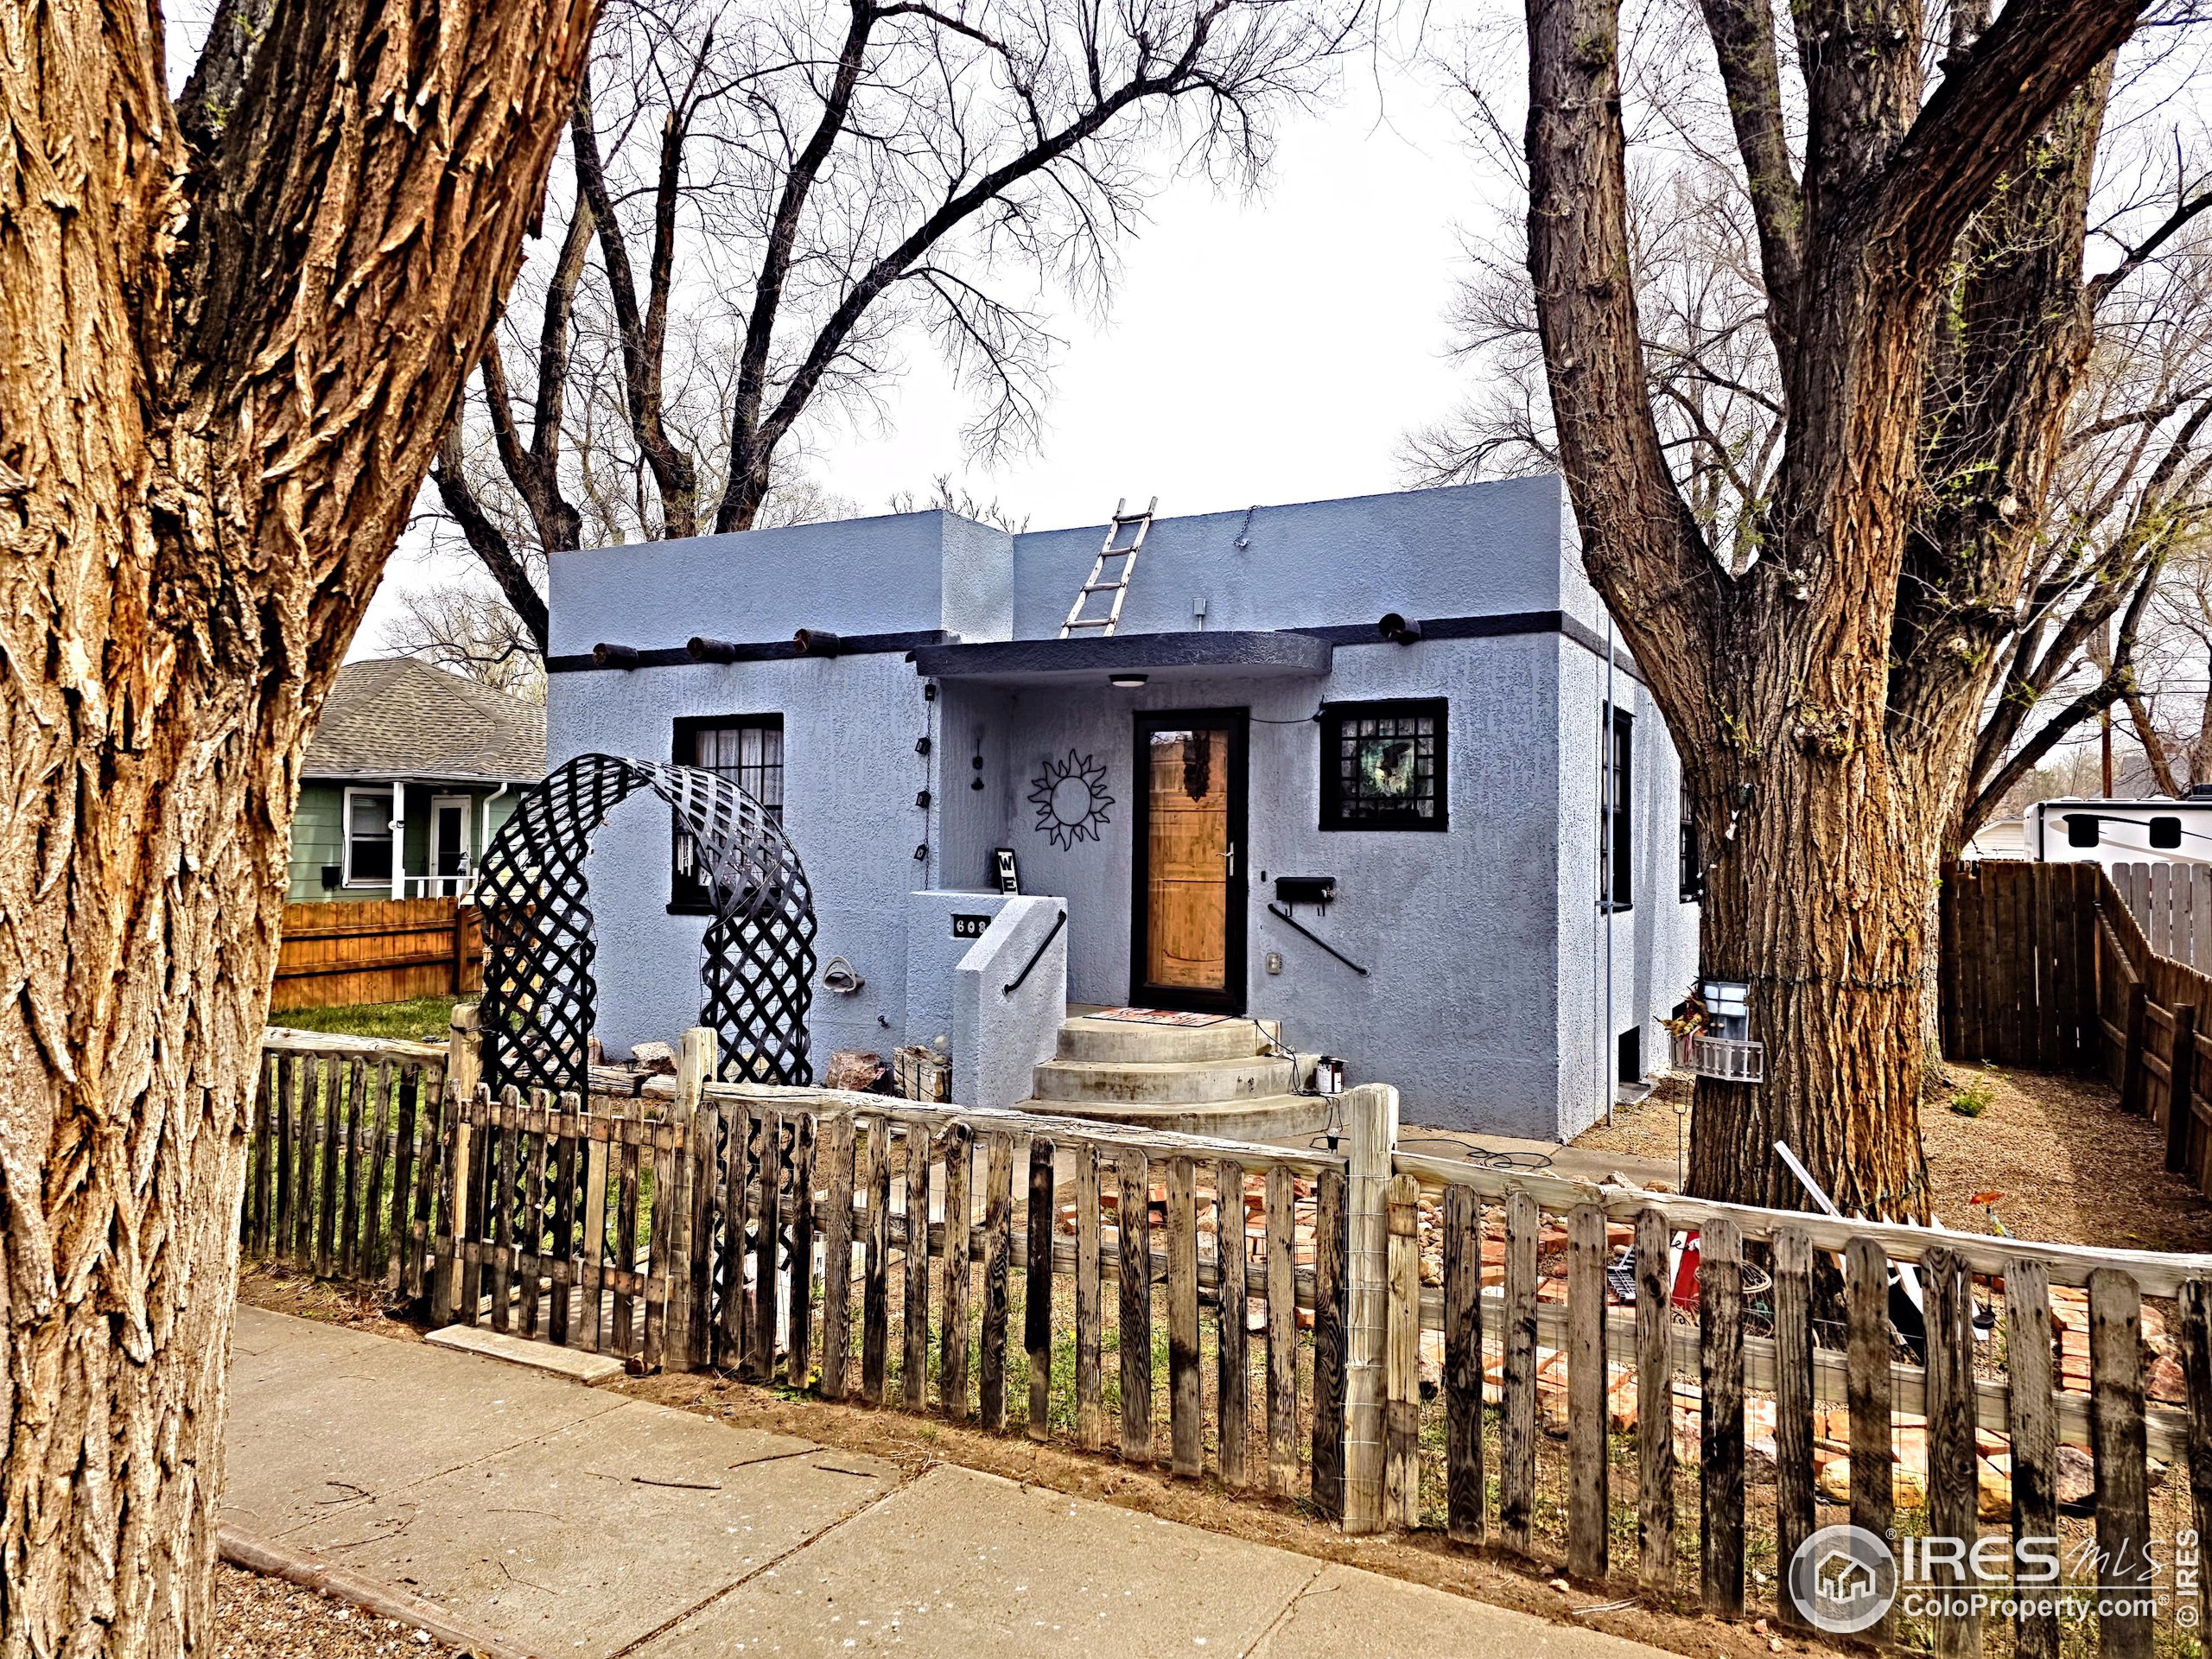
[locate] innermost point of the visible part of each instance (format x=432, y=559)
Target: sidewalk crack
x=1289, y=1607
x=739, y=1583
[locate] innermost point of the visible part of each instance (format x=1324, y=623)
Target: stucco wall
x=933, y=953
x=894, y=575
x=1457, y=930
x=1478, y=550
x=1001, y=1029
x=1654, y=940
x=850, y=781
x=1484, y=948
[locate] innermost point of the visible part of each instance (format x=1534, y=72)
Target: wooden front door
x=1187, y=919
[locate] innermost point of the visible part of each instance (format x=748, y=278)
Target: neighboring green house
x=408, y=756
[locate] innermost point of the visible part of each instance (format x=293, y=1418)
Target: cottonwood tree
x=1918, y=239
x=2117, y=595
x=2091, y=629
x=231, y=328
x=768, y=202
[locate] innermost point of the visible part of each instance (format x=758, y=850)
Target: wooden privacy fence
x=2172, y=905
x=2048, y=966
x=1511, y=1359
x=343, y=952
x=2015, y=983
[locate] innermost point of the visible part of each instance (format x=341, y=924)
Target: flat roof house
x=1368, y=768
x=410, y=773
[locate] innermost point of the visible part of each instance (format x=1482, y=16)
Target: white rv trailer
x=2160, y=830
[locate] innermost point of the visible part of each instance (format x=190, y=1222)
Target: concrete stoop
x=1219, y=1079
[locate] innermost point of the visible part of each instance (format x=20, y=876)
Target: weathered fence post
x=1401, y=1348
x=691, y=1257
x=464, y=1075
x=1370, y=1136
x=2181, y=1088
x=2132, y=1072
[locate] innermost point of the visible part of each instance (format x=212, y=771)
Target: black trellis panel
x=756, y=972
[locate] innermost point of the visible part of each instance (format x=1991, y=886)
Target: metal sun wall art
x=756, y=967
x=1071, y=799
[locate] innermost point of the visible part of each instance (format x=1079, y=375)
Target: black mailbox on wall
x=1306, y=889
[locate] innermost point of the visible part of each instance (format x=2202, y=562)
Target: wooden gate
x=559, y=1222
x=2019, y=977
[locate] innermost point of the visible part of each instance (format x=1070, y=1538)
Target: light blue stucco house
x=1412, y=695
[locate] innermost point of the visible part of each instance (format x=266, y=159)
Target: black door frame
x=1235, y=924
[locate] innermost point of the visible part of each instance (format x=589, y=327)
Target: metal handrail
x=1281, y=914
x=1037, y=955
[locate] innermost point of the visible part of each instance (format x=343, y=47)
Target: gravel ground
x=256, y=1617
x=2068, y=1166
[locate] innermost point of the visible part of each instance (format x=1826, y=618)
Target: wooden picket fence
x=1561, y=1409
x=344, y=1157
x=551, y=1222
x=987, y=1239
x=1267, y=1315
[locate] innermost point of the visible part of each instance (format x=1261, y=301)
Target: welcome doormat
x=1158, y=1017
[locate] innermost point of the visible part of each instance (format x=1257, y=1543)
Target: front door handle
x=1231, y=856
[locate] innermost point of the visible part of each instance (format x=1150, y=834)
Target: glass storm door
x=449, y=846
x=1187, y=932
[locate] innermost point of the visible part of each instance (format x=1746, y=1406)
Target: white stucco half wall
x=1000, y=1036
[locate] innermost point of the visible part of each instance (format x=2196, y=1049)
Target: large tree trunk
x=229, y=337
x=1819, y=906
x=1825, y=722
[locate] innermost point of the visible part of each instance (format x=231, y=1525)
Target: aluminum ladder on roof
x=1137, y=523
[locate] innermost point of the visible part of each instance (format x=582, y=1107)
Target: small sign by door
x=969, y=927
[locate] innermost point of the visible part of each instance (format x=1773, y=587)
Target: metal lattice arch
x=756, y=969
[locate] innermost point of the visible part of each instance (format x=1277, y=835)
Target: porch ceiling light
x=1126, y=681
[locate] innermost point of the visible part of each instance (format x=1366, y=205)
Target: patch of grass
x=1973, y=1100
x=424, y=1020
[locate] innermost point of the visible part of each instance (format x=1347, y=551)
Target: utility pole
x=2105, y=720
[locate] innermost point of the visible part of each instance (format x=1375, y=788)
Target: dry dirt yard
x=2068, y=1166
x=256, y=1617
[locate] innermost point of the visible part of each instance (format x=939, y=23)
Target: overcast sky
x=1267, y=350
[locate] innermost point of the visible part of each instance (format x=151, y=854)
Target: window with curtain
x=748, y=750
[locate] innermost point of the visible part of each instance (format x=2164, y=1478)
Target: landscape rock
x=658, y=1058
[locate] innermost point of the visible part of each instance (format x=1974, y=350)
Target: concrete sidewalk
x=580, y=1523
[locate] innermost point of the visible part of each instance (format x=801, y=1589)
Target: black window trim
x=683, y=751
x=1617, y=852
x=1692, y=853
x=1331, y=715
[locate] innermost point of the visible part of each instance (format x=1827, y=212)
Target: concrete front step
x=1164, y=1082
x=1118, y=1041
x=1280, y=1119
